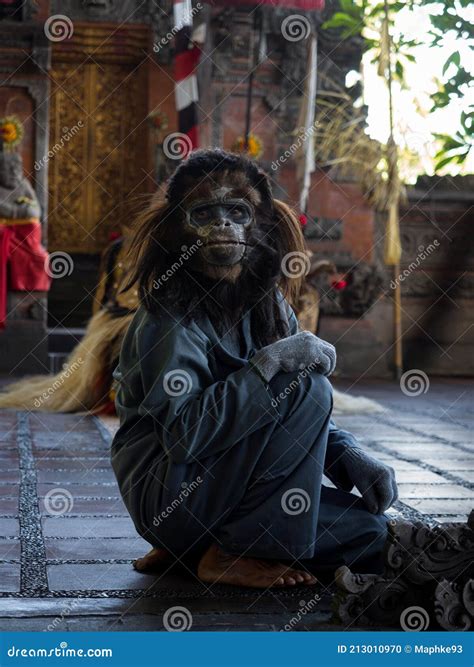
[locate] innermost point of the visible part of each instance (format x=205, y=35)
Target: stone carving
x=370, y=599
x=17, y=197
x=364, y=285
x=23, y=260
x=428, y=571
x=323, y=229
x=422, y=553
x=454, y=605
x=158, y=15
x=419, y=284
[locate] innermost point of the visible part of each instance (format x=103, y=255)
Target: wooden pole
x=397, y=324
x=397, y=300
x=256, y=43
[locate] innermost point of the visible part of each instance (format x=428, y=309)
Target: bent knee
x=320, y=390
x=303, y=387
x=376, y=525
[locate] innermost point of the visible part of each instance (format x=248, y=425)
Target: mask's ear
x=291, y=241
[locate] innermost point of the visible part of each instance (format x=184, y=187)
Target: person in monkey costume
x=225, y=406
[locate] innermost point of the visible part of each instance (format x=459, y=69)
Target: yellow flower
x=255, y=146
x=11, y=130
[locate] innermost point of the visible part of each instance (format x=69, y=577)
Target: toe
x=309, y=578
x=139, y=564
x=270, y=583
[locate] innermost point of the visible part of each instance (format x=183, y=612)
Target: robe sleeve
x=194, y=416
x=338, y=441
x=289, y=314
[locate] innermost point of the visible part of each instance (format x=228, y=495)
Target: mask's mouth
x=223, y=251
x=225, y=243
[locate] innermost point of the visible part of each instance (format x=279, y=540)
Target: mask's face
x=221, y=225
x=11, y=170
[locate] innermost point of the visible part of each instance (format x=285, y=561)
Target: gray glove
x=375, y=480
x=303, y=350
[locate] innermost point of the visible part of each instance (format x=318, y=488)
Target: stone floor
x=67, y=543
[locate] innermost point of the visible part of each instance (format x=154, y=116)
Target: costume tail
x=344, y=403
x=83, y=384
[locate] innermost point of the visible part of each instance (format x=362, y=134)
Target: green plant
x=365, y=18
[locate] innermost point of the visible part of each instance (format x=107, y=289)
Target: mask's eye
x=238, y=213
x=201, y=216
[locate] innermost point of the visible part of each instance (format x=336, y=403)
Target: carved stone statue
x=428, y=580
x=23, y=260
x=17, y=197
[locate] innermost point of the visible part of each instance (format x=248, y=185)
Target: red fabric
x=193, y=134
x=339, y=284
x=23, y=262
x=186, y=63
x=304, y=5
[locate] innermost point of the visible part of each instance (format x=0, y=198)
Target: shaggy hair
x=159, y=236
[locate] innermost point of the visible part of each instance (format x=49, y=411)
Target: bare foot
x=154, y=560
x=216, y=566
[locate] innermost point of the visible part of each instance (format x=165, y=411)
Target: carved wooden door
x=97, y=158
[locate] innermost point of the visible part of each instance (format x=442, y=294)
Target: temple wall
x=341, y=224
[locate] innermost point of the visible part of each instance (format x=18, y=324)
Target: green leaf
x=339, y=20
x=443, y=163
x=351, y=8
x=454, y=59
x=467, y=121
x=399, y=70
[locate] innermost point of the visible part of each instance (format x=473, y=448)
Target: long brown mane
x=155, y=249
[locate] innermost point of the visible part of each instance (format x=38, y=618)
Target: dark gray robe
x=208, y=452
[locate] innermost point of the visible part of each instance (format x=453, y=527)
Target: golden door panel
x=97, y=147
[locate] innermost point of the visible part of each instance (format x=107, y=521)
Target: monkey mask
x=221, y=225
x=217, y=242
x=218, y=211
